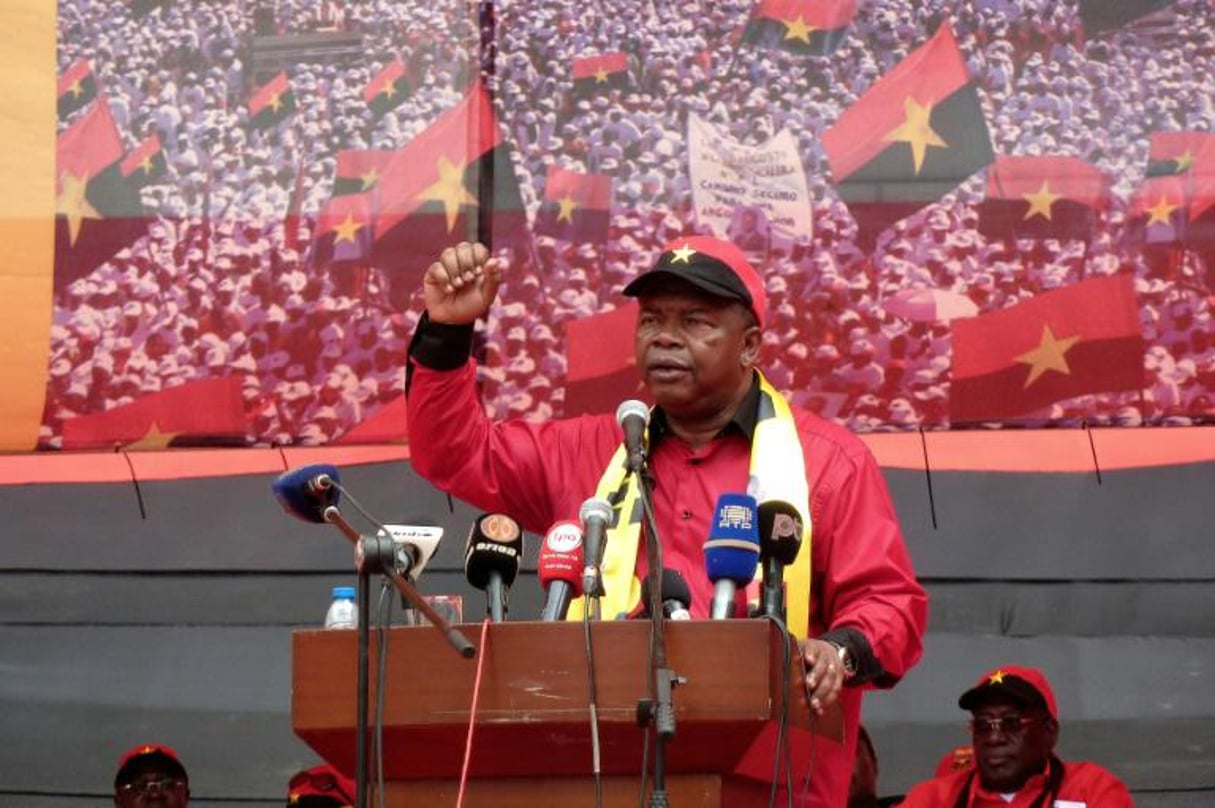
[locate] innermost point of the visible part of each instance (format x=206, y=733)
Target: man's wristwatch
x=846, y=660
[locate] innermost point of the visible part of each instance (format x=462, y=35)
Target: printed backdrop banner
x=755, y=195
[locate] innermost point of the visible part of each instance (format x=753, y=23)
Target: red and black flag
x=202, y=412
x=360, y=171
x=1159, y=210
x=272, y=103
x=389, y=88
x=1081, y=339
x=343, y=230
x=1098, y=16
x=594, y=75
x=576, y=206
x=1043, y=197
x=1175, y=152
x=911, y=138
x=145, y=163
x=802, y=27
x=98, y=212
x=453, y=182
x=1200, y=233
x=77, y=88
x=602, y=368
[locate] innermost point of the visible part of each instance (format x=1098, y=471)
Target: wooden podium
x=532, y=741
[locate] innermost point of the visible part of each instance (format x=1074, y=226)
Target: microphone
x=558, y=568
x=675, y=595
x=306, y=492
x=633, y=417
x=780, y=540
x=491, y=559
x=732, y=551
x=596, y=517
x=415, y=545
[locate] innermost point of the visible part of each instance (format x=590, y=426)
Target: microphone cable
x=383, y=620
x=596, y=768
x=783, y=754
x=355, y=504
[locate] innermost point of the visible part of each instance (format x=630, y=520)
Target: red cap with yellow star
x=712, y=265
x=1025, y=685
x=320, y=787
x=149, y=751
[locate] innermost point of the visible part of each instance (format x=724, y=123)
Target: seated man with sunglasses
x=1014, y=727
x=151, y=775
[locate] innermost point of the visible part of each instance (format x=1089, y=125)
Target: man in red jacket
x=1014, y=728
x=718, y=427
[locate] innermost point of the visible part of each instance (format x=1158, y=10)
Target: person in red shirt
x=702, y=308
x=151, y=775
x=1014, y=728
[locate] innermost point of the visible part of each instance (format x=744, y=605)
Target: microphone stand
x=662, y=709
x=378, y=553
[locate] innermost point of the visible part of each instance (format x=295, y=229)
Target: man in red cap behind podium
x=1014, y=727
x=151, y=775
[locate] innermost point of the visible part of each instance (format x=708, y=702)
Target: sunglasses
x=1006, y=725
x=145, y=785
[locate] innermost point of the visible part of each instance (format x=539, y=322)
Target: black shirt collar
x=743, y=422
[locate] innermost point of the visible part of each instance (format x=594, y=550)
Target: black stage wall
x=173, y=623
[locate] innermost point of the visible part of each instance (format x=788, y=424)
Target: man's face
x=694, y=350
x=152, y=784
x=1020, y=747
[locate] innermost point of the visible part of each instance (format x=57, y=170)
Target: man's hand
x=462, y=284
x=824, y=674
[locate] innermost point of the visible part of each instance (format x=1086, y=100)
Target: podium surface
x=533, y=722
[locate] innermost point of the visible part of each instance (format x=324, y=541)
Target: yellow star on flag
x=566, y=212
x=449, y=190
x=916, y=130
x=1049, y=355
x=682, y=255
x=146, y=165
x=152, y=440
x=1160, y=212
x=1184, y=161
x=73, y=203
x=390, y=89
x=798, y=29
x=347, y=230
x=1040, y=201
x=76, y=89
x=601, y=76
x=370, y=178
x=996, y=678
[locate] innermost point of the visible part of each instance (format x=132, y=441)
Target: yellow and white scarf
x=777, y=472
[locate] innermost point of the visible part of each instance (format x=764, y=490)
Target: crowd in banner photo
x=246, y=203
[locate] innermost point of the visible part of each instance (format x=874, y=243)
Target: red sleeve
x=1096, y=786
x=864, y=575
x=943, y=791
x=532, y=472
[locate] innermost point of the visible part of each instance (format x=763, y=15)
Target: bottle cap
x=343, y=592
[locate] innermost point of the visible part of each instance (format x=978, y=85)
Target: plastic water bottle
x=343, y=613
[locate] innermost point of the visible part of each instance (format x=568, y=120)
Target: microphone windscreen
x=306, y=492
x=732, y=550
x=596, y=508
x=495, y=543
x=561, y=556
x=632, y=409
x=780, y=531
x=673, y=588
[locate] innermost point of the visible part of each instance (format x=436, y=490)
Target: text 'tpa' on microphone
x=731, y=551
x=560, y=568
x=633, y=417
x=596, y=517
x=307, y=491
x=780, y=540
x=675, y=596
x=491, y=559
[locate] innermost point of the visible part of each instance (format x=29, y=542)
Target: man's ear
x=752, y=342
